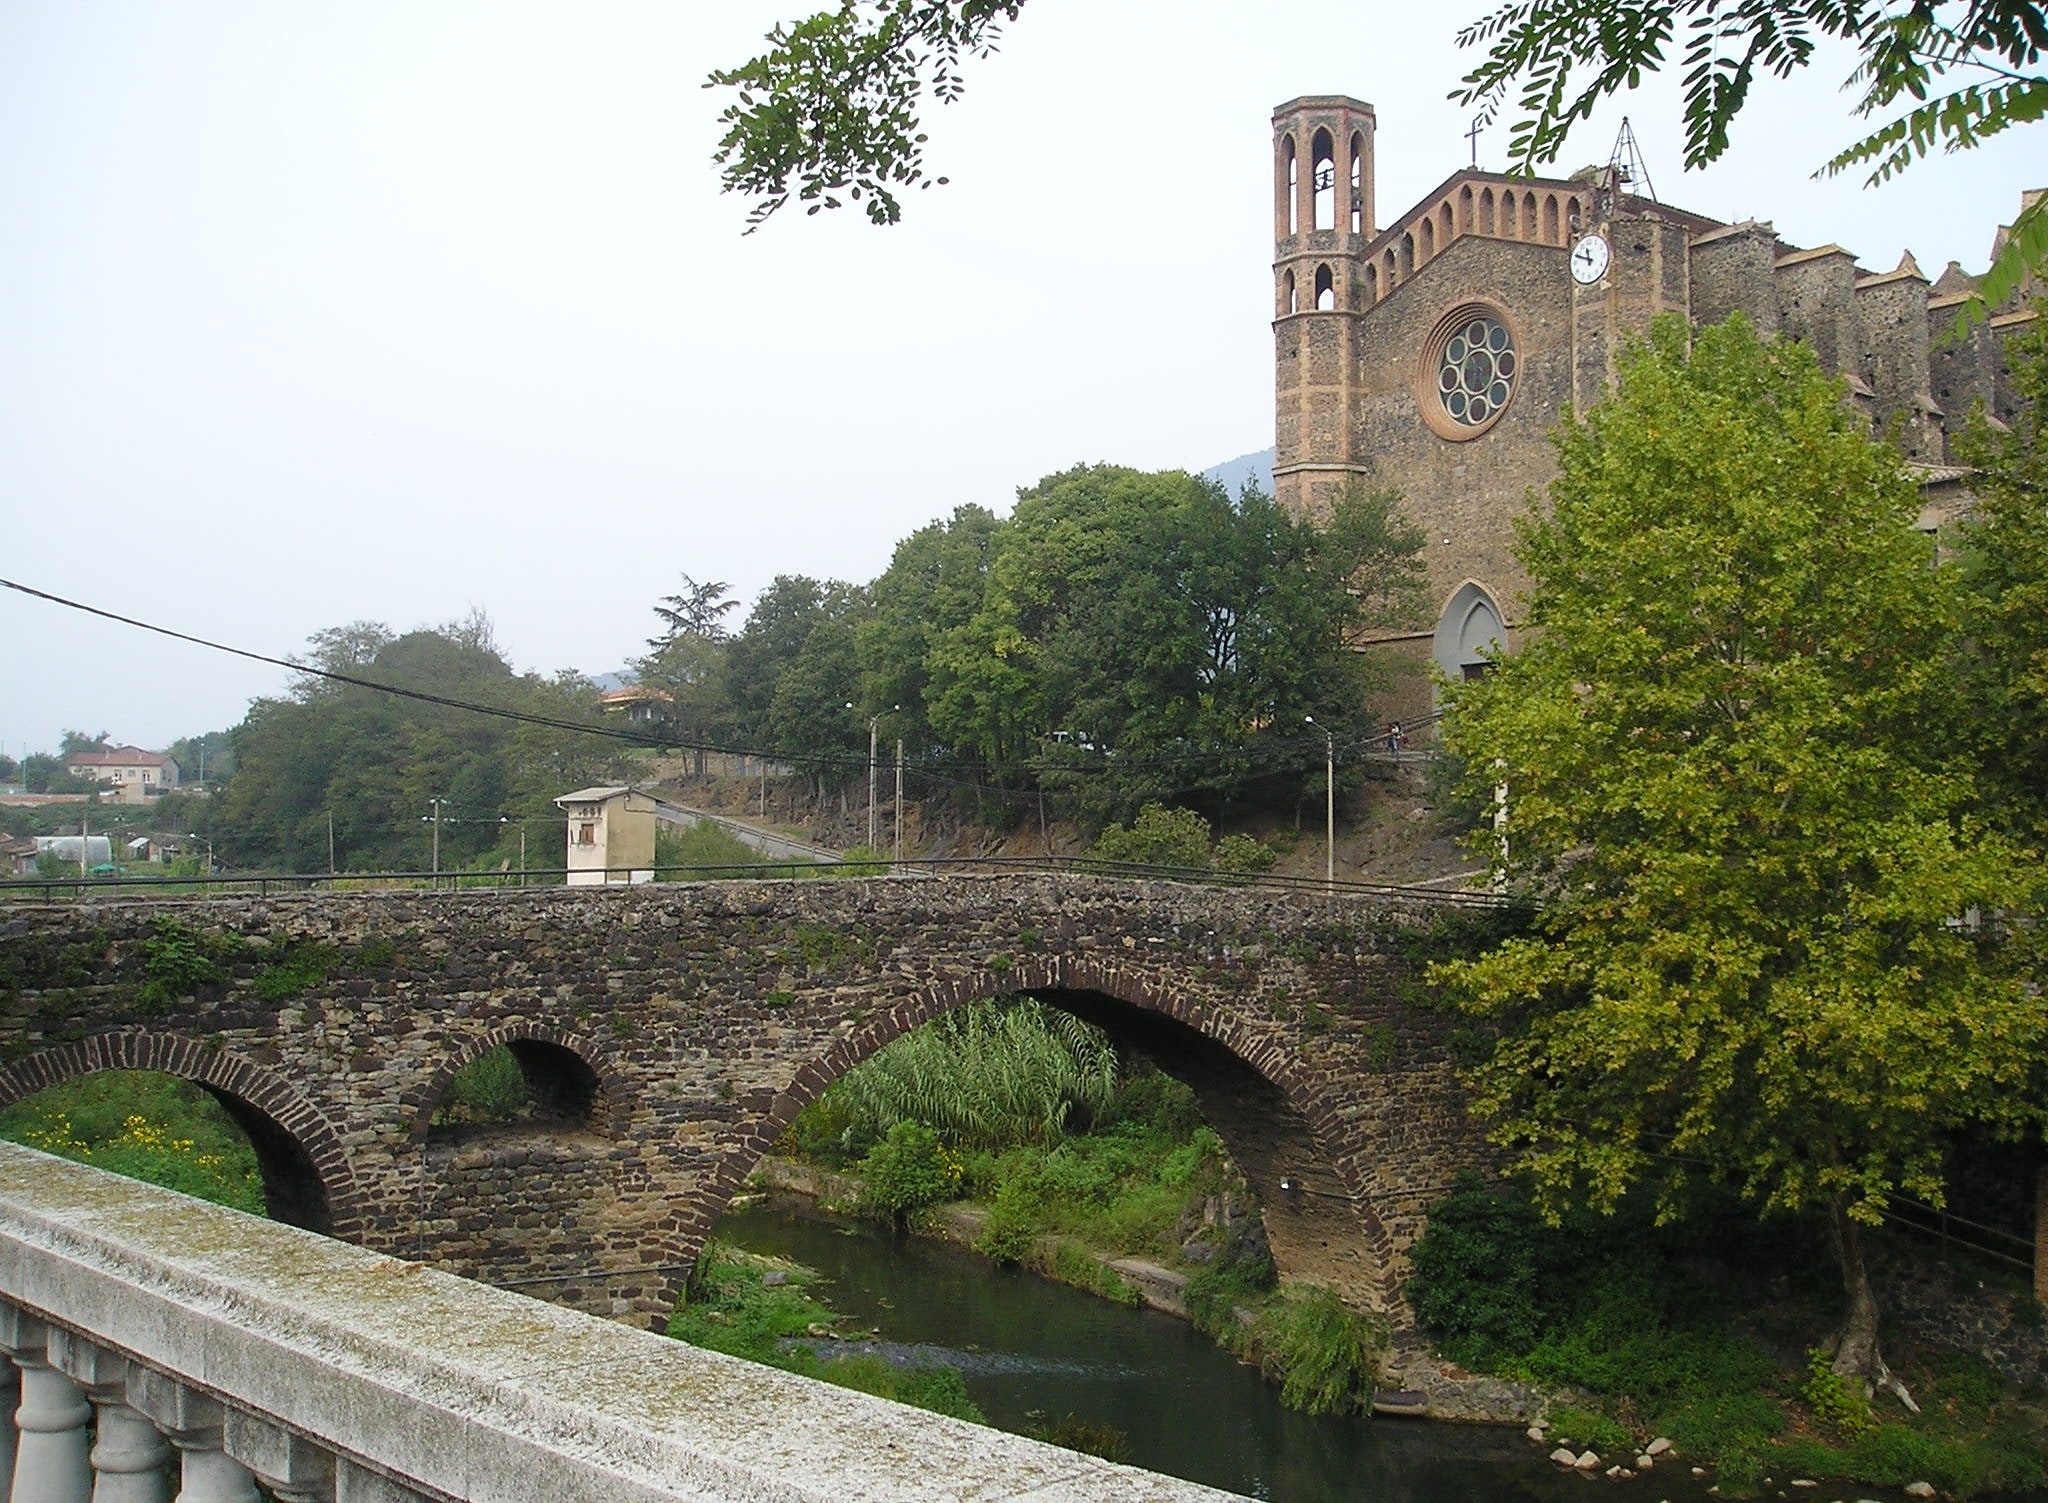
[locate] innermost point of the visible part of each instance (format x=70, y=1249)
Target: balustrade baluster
x=51, y=1465
x=207, y=1474
x=128, y=1457
x=10, y=1400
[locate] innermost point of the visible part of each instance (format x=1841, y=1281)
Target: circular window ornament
x=1468, y=373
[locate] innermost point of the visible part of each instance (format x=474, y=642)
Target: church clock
x=1589, y=259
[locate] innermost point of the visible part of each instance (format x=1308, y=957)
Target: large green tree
x=375, y=762
x=687, y=662
x=1146, y=637
x=2004, y=549
x=832, y=111
x=793, y=676
x=1773, y=943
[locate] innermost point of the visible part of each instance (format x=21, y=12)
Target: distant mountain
x=621, y=678
x=1233, y=473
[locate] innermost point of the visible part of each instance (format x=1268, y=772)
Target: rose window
x=1476, y=373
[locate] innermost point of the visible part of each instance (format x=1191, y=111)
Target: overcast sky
x=313, y=313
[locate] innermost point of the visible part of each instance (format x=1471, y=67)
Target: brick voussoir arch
x=228, y=1073
x=611, y=1112
x=741, y=1148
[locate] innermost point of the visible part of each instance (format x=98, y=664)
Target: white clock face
x=1589, y=259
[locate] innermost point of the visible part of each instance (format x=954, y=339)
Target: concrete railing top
x=455, y=1390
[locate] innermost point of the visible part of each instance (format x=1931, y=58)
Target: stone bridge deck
x=671, y=1032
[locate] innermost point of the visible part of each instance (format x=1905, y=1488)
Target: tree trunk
x=1856, y=1347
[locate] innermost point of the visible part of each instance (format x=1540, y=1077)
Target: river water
x=1033, y=1351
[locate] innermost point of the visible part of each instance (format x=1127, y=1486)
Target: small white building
x=611, y=835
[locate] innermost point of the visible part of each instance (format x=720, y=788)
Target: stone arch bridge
x=671, y=1032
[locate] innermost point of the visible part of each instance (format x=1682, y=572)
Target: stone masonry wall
x=699, y=1019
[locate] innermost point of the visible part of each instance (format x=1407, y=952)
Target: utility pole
x=330, y=842
x=874, y=721
x=1329, y=803
x=84, y=844
x=896, y=856
x=437, y=840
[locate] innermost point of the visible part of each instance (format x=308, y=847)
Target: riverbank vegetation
x=1708, y=1332
x=1067, y=1154
x=762, y=1309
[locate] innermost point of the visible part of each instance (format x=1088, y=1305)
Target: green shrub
x=986, y=1075
x=1723, y=1424
x=1834, y=1401
x=490, y=1088
x=1217, y=1290
x=1085, y=1436
x=1585, y=1429
x=1006, y=1237
x=177, y=961
x=298, y=968
x=1242, y=853
x=1893, y=1455
x=1159, y=836
x=1326, y=1355
x=700, y=852
x=1478, y=1267
x=908, y=1170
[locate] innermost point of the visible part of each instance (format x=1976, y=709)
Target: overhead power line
x=629, y=736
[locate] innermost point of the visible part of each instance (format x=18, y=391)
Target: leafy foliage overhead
x=1964, y=71
x=829, y=113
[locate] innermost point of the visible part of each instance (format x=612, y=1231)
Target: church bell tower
x=1322, y=223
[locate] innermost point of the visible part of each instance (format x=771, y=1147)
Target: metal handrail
x=263, y=884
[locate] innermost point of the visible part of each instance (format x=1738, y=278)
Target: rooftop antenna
x=1630, y=175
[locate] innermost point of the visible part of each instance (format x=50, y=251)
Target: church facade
x=1435, y=354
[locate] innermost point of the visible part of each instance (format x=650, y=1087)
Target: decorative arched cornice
x=220, y=1070
x=609, y=1112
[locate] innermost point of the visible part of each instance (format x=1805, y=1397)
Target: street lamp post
x=1329, y=803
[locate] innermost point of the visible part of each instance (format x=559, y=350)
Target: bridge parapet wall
x=139, y=1323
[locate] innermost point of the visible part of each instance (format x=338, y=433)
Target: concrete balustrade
x=145, y=1328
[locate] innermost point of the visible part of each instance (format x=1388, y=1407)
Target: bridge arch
x=308, y=1180
x=568, y=1075
x=1262, y=1101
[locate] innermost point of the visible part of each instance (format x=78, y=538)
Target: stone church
x=1433, y=355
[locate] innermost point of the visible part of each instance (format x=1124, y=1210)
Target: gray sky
x=315, y=313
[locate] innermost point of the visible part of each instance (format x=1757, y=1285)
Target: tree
x=1143, y=637
x=374, y=763
x=934, y=584
x=831, y=111
x=2004, y=549
x=1765, y=947
x=687, y=661
x=793, y=672
x=74, y=743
